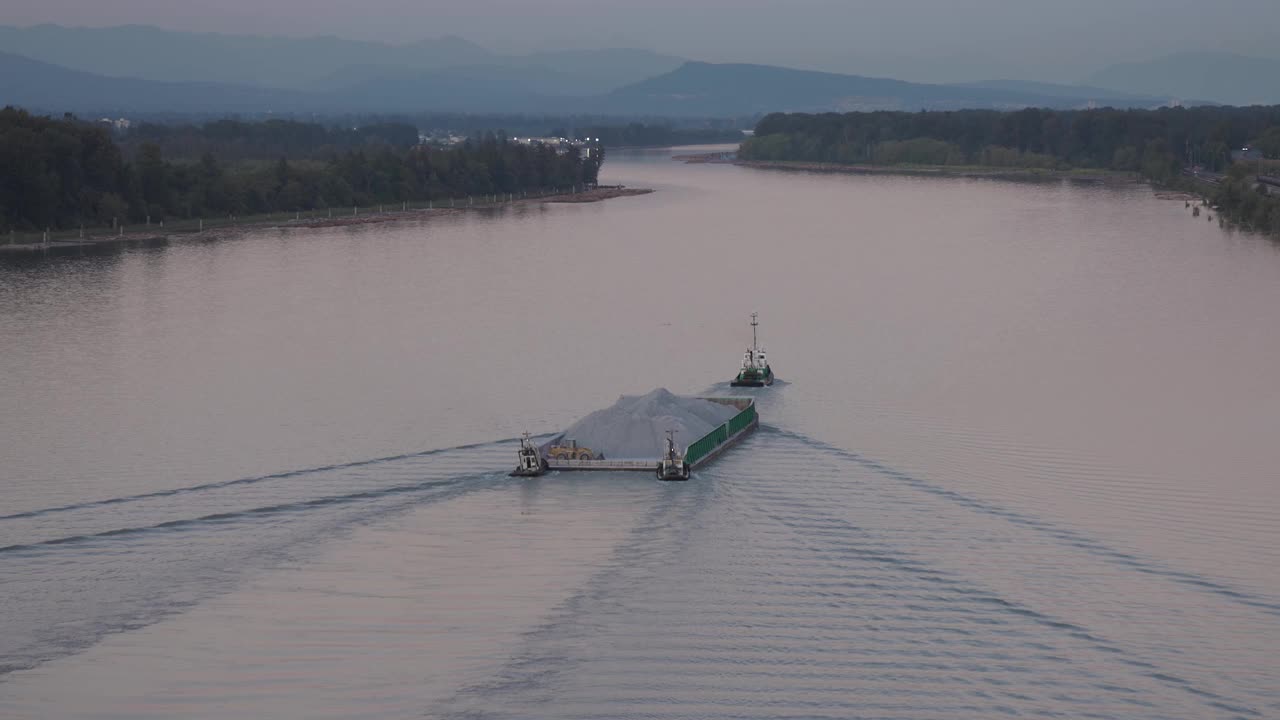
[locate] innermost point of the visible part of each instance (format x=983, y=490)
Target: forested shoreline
x=1157, y=144
x=63, y=173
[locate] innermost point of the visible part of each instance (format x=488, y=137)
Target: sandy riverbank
x=596, y=195
x=963, y=171
x=723, y=157
x=150, y=235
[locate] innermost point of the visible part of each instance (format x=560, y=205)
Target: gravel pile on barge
x=636, y=426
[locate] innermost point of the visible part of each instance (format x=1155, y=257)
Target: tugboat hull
x=755, y=370
x=522, y=472
x=530, y=462
x=673, y=474
x=741, y=381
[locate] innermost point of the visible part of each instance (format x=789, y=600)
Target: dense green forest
x=470, y=124
x=232, y=140
x=1159, y=144
x=60, y=173
x=235, y=140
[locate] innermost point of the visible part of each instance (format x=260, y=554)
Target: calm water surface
x=1023, y=462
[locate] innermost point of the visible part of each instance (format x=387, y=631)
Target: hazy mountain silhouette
x=1217, y=76
x=693, y=89
x=697, y=88
x=149, y=53
x=1096, y=94
x=45, y=87
x=49, y=88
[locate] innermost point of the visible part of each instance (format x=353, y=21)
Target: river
x=1021, y=461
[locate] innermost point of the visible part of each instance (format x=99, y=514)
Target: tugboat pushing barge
x=530, y=462
x=673, y=465
x=755, y=370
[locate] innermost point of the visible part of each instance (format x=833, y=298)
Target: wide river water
x=1022, y=462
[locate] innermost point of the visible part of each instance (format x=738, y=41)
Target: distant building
x=561, y=145
x=1246, y=154
x=440, y=139
x=119, y=124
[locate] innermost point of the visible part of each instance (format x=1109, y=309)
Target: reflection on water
x=1020, y=463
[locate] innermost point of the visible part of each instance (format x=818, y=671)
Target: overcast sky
x=1061, y=40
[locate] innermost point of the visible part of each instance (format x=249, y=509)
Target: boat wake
x=246, y=481
x=790, y=577
x=794, y=578
x=1060, y=534
x=75, y=573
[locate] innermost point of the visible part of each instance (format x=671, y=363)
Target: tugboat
x=672, y=466
x=755, y=370
x=530, y=462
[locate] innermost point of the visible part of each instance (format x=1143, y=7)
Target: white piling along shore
x=631, y=434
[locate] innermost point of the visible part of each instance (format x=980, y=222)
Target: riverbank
x=154, y=235
x=958, y=171
x=726, y=157
x=607, y=192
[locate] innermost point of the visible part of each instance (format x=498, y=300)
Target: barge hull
x=700, y=452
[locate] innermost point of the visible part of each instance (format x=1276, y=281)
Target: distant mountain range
x=49, y=88
x=1095, y=94
x=1220, y=77
x=697, y=88
x=693, y=89
x=136, y=69
x=312, y=64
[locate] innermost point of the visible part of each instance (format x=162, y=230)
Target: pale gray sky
x=912, y=39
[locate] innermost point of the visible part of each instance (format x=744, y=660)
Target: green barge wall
x=707, y=446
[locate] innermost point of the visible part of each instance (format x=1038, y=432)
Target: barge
x=699, y=453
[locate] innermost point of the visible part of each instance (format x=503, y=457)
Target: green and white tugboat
x=530, y=461
x=755, y=370
x=672, y=465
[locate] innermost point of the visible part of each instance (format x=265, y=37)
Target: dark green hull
x=753, y=378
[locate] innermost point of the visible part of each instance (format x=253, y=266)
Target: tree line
x=61, y=173
x=231, y=140
x=1158, y=144
x=469, y=124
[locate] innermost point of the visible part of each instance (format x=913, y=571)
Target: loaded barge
x=673, y=465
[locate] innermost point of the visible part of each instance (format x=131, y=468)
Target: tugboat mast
x=755, y=370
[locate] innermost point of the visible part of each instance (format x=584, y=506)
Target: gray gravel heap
x=635, y=427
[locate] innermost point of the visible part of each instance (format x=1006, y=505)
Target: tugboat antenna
x=754, y=324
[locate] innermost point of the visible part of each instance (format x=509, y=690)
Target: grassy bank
x=966, y=171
